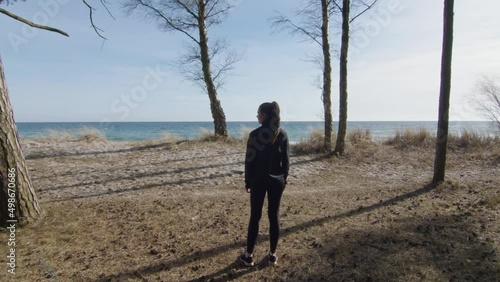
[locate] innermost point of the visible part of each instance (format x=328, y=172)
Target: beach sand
x=178, y=211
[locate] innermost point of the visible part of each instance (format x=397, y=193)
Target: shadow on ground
x=439, y=248
x=227, y=271
x=39, y=155
x=160, y=184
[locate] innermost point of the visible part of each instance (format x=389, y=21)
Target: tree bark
x=327, y=77
x=13, y=167
x=344, y=49
x=444, y=96
x=215, y=106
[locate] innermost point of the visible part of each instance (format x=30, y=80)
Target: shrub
x=359, y=136
x=411, y=137
x=313, y=144
x=91, y=134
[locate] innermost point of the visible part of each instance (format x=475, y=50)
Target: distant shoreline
x=297, y=130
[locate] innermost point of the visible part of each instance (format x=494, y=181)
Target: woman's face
x=261, y=117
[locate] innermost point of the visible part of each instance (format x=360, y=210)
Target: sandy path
x=71, y=170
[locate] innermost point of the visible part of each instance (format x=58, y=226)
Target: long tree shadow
x=140, y=175
x=165, y=266
x=319, y=158
x=144, y=187
x=441, y=247
x=34, y=156
x=153, y=163
x=165, y=172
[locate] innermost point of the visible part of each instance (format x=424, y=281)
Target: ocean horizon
x=297, y=130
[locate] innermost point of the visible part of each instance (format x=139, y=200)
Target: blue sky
x=394, y=65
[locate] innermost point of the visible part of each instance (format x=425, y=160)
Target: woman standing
x=266, y=171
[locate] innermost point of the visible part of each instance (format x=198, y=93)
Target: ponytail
x=276, y=135
x=276, y=111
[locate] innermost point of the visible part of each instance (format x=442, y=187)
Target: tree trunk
x=444, y=96
x=344, y=49
x=327, y=77
x=215, y=106
x=15, y=182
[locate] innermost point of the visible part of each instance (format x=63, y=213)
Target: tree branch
x=213, y=6
x=187, y=9
x=336, y=4
x=169, y=22
x=96, y=29
x=229, y=61
x=368, y=7
x=222, y=10
x=32, y=24
x=104, y=4
x=486, y=98
x=283, y=21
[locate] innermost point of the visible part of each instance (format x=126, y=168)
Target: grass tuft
x=359, y=136
x=91, y=134
x=85, y=133
x=470, y=140
x=207, y=135
x=169, y=137
x=313, y=144
x=410, y=138
x=57, y=135
x=244, y=133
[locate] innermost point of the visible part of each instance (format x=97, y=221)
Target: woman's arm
x=249, y=161
x=286, y=156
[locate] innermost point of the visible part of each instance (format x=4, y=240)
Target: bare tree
x=444, y=96
x=315, y=17
x=486, y=98
x=360, y=8
x=314, y=25
x=18, y=200
x=193, y=18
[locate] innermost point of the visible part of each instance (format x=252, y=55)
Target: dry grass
x=169, y=137
x=56, y=135
x=452, y=184
x=360, y=221
x=91, y=134
x=359, y=137
x=208, y=135
x=472, y=140
x=411, y=138
x=85, y=133
x=367, y=219
x=244, y=133
x=313, y=144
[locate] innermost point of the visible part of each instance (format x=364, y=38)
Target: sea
x=297, y=130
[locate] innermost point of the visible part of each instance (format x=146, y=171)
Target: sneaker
x=248, y=261
x=273, y=259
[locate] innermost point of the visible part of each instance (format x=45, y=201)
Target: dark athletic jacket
x=263, y=158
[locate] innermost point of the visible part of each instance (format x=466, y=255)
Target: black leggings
x=274, y=188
